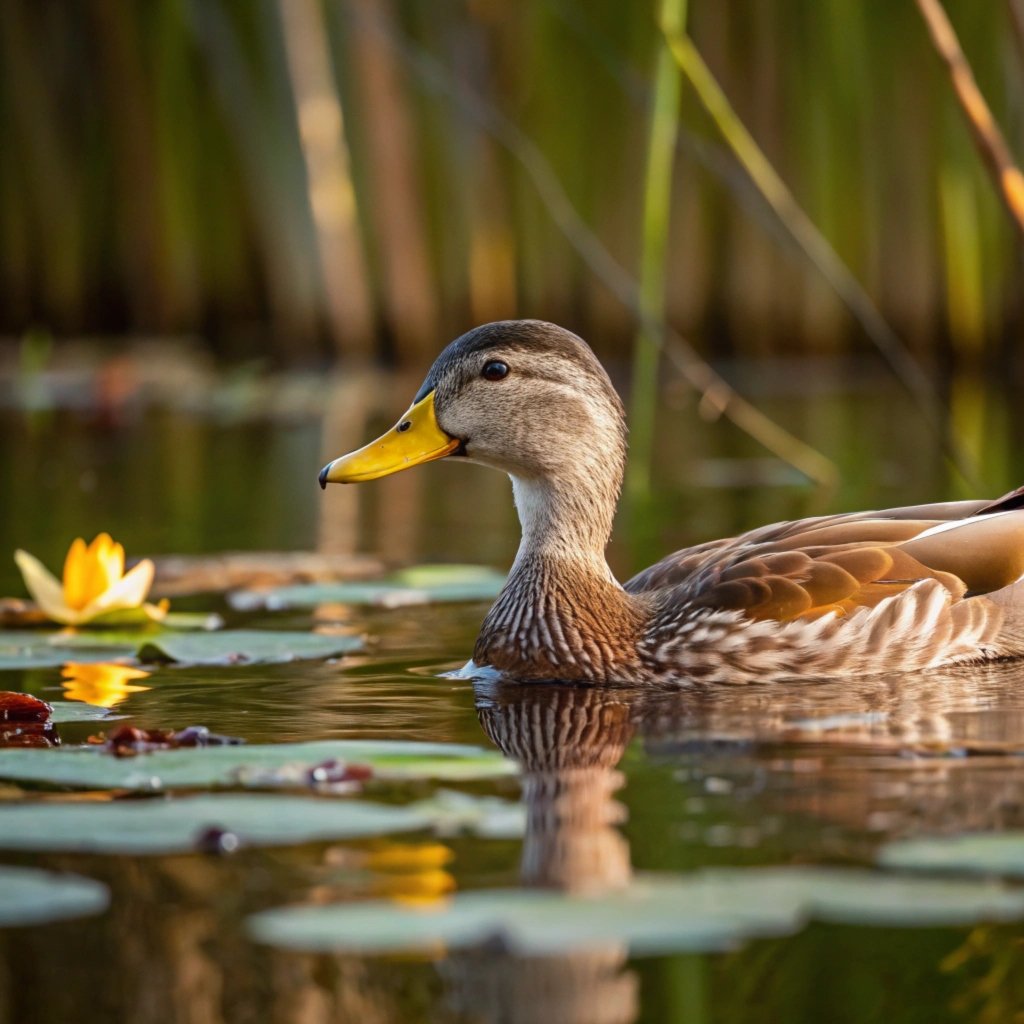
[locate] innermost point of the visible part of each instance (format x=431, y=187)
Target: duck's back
x=901, y=589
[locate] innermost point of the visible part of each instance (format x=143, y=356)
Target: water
x=616, y=782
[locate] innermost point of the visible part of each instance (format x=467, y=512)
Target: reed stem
x=657, y=210
x=1006, y=175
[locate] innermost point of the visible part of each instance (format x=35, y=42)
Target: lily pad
x=425, y=584
x=24, y=649
x=245, y=647
x=181, y=825
x=275, y=765
x=975, y=854
x=38, y=649
x=184, y=824
x=66, y=711
x=29, y=896
x=707, y=911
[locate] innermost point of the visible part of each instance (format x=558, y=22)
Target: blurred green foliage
x=283, y=175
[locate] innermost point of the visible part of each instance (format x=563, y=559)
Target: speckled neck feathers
x=562, y=614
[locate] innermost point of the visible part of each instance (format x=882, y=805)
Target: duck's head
x=522, y=396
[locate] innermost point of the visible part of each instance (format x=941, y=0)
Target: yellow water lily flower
x=95, y=583
x=103, y=684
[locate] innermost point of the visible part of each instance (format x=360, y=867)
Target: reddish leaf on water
x=129, y=740
x=333, y=772
x=22, y=707
x=30, y=734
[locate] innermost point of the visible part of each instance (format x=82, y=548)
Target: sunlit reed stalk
x=1008, y=179
x=394, y=208
x=657, y=209
x=807, y=236
x=332, y=197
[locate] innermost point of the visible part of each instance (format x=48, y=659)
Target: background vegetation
x=292, y=177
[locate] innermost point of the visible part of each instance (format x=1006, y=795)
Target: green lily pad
x=245, y=647
x=706, y=911
x=425, y=584
x=24, y=649
x=181, y=825
x=29, y=896
x=66, y=711
x=184, y=824
x=976, y=854
x=38, y=649
x=276, y=765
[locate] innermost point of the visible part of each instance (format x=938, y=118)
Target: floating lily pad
x=426, y=584
x=244, y=647
x=180, y=825
x=66, y=711
x=24, y=649
x=277, y=765
x=38, y=649
x=707, y=911
x=980, y=854
x=183, y=824
x=29, y=896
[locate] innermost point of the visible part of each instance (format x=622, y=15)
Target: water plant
x=94, y=584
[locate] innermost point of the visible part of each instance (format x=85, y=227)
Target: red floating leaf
x=23, y=707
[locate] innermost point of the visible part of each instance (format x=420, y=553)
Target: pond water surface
x=616, y=782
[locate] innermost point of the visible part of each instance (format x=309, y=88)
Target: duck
x=850, y=594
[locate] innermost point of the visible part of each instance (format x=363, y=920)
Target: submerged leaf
x=706, y=911
x=30, y=897
x=259, y=766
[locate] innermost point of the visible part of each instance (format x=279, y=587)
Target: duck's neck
x=565, y=520
x=562, y=614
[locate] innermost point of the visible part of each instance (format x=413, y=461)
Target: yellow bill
x=415, y=439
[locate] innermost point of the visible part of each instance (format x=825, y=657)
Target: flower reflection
x=103, y=684
x=412, y=873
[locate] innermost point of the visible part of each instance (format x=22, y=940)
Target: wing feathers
x=986, y=552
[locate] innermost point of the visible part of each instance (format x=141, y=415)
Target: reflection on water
x=568, y=741
x=615, y=782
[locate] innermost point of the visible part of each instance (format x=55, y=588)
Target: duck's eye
x=494, y=370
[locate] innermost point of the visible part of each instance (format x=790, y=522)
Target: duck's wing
x=838, y=564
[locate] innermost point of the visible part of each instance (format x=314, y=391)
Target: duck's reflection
x=568, y=742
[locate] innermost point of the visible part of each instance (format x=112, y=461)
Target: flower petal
x=44, y=587
x=77, y=592
x=128, y=592
x=109, y=560
x=157, y=612
x=104, y=568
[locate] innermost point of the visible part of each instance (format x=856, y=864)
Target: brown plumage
x=901, y=589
